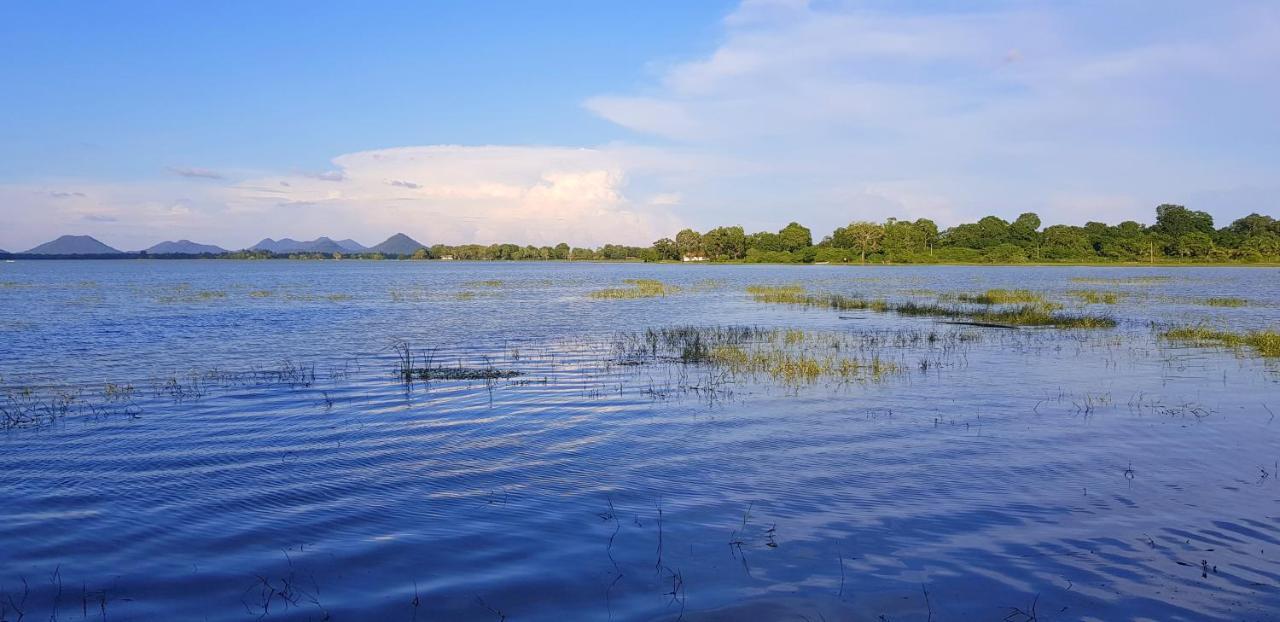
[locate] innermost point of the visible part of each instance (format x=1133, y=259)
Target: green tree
x=725, y=242
x=863, y=236
x=689, y=243
x=795, y=237
x=1175, y=221
x=666, y=249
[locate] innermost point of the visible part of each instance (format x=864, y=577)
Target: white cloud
x=528, y=195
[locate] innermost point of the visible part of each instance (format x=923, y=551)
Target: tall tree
x=689, y=243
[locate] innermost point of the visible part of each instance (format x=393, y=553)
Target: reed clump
x=798, y=366
x=637, y=288
x=1096, y=297
x=999, y=297
x=1132, y=280
x=1264, y=342
x=1226, y=302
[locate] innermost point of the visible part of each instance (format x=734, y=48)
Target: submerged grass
x=638, y=288
x=1226, y=302
x=999, y=297
x=1264, y=342
x=787, y=356
x=1093, y=296
x=1039, y=313
x=1132, y=280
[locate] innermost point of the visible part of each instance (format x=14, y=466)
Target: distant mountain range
x=398, y=244
x=287, y=245
x=185, y=247
x=352, y=245
x=73, y=245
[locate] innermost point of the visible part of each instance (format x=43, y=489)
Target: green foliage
x=1006, y=253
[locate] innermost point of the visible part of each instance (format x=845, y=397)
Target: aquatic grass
x=1036, y=314
x=261, y=293
x=1093, y=296
x=485, y=283
x=182, y=295
x=998, y=297
x=1225, y=302
x=1132, y=280
x=796, y=367
x=1265, y=342
x=788, y=356
x=639, y=288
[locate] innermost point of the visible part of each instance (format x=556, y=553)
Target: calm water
x=230, y=441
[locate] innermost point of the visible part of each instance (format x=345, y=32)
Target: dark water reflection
x=1034, y=473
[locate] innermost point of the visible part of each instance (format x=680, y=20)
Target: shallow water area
x=229, y=440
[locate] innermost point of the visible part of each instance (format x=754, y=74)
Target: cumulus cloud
x=537, y=195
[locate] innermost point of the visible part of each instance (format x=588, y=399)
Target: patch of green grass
x=1226, y=302
x=1264, y=342
x=1037, y=314
x=1132, y=280
x=999, y=297
x=639, y=288
x=1095, y=297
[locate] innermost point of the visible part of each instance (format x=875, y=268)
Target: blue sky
x=610, y=121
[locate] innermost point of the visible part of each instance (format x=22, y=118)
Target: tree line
x=1179, y=234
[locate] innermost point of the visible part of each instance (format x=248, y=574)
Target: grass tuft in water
x=1226, y=302
x=639, y=288
x=1000, y=297
x=1132, y=280
x=1264, y=342
x=1095, y=297
x=1031, y=314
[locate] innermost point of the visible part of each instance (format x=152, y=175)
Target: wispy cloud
x=198, y=173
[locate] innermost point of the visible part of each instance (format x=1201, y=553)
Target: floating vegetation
x=1132, y=280
x=465, y=295
x=338, y=297
x=1226, y=302
x=1264, y=342
x=1039, y=314
x=485, y=283
x=1095, y=297
x=261, y=293
x=639, y=288
x=998, y=297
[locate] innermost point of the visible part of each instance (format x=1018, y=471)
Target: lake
x=223, y=440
